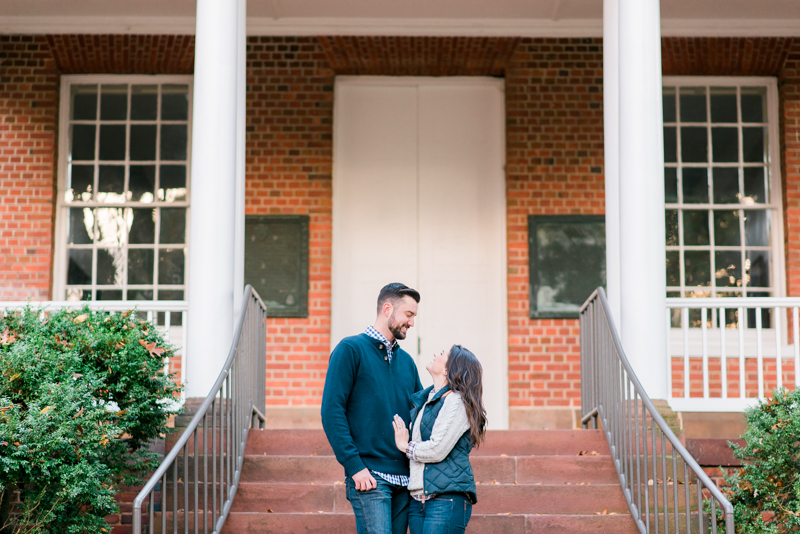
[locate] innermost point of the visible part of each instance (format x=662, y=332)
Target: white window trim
x=774, y=164
x=62, y=207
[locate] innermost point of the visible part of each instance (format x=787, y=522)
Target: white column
x=241, y=120
x=611, y=149
x=213, y=220
x=641, y=193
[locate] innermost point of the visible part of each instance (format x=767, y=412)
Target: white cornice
x=385, y=26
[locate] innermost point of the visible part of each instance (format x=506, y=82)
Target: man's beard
x=397, y=329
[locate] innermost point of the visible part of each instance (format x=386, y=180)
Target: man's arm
x=338, y=385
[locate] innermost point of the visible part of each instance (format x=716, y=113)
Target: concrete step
x=330, y=523
x=498, y=442
x=492, y=498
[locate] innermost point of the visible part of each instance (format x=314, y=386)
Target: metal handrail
x=640, y=440
x=219, y=429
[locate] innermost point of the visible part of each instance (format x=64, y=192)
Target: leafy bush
x=82, y=394
x=765, y=493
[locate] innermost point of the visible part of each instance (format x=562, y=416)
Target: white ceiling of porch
x=413, y=17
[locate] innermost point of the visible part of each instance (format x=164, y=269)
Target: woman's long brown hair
x=465, y=375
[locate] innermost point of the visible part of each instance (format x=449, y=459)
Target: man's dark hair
x=394, y=292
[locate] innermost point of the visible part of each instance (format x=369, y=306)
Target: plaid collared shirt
x=390, y=347
x=397, y=480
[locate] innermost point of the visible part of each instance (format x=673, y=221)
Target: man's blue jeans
x=447, y=513
x=383, y=510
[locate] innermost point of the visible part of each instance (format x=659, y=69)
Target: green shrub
x=765, y=493
x=82, y=394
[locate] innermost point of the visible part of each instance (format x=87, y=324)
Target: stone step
x=492, y=498
x=337, y=523
x=498, y=442
x=501, y=469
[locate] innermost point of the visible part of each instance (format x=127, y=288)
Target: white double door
x=419, y=198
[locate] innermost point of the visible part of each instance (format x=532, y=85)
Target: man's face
x=402, y=317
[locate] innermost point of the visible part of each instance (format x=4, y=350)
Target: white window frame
x=62, y=207
x=774, y=166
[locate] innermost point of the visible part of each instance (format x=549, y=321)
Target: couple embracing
x=404, y=449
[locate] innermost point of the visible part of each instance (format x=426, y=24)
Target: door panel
x=419, y=197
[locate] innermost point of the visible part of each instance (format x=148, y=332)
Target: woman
x=447, y=420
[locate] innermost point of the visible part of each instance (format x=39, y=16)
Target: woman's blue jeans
x=447, y=513
x=383, y=510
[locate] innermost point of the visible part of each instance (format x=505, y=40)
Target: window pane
x=723, y=104
x=672, y=227
x=670, y=144
x=112, y=142
x=143, y=142
x=173, y=225
x=81, y=226
x=173, y=183
x=142, y=226
x=698, y=268
x=757, y=227
x=114, y=102
x=173, y=142
x=754, y=186
x=753, y=145
x=140, y=266
x=673, y=268
x=758, y=265
x=695, y=185
x=725, y=144
x=77, y=294
x=695, y=227
x=81, y=178
x=726, y=185
x=82, y=141
x=111, y=183
x=175, y=102
x=140, y=294
x=169, y=294
x=694, y=145
x=111, y=226
x=109, y=294
x=668, y=96
x=728, y=266
x=170, y=266
x=142, y=183
x=109, y=267
x=84, y=102
x=670, y=184
x=726, y=229
x=754, y=101
x=693, y=104
x=144, y=102
x=79, y=266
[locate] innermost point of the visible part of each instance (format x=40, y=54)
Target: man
x=370, y=379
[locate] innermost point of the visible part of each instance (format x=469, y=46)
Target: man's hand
x=400, y=433
x=364, y=481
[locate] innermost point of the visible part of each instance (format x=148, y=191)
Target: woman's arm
x=450, y=425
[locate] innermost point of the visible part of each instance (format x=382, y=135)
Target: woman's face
x=436, y=367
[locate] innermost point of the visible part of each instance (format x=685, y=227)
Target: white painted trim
x=730, y=404
x=402, y=27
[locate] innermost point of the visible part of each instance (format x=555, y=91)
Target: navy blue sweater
x=363, y=392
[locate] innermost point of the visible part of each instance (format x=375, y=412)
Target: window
x=722, y=188
x=123, y=194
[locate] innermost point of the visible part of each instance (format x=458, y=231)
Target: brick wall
x=554, y=165
x=789, y=93
x=289, y=157
x=28, y=111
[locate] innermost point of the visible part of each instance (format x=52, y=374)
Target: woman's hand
x=400, y=433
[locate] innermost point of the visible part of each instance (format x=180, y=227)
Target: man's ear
x=387, y=309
